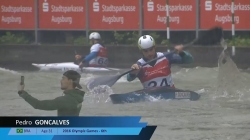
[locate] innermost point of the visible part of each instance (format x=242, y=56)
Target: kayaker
x=69, y=104
x=98, y=53
x=157, y=73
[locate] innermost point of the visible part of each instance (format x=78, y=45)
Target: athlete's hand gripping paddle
x=210, y=37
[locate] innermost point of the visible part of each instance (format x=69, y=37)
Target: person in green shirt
x=69, y=104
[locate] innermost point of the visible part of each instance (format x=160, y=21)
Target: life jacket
x=157, y=75
x=101, y=60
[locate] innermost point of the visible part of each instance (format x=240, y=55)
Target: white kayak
x=70, y=66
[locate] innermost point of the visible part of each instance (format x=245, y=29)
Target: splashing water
x=8, y=70
x=231, y=83
x=100, y=94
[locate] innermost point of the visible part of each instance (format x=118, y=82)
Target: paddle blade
x=104, y=80
x=210, y=37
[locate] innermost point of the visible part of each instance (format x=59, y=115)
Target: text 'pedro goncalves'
x=43, y=122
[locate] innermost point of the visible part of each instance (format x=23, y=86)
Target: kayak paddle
x=210, y=37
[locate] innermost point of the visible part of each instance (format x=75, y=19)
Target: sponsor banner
x=17, y=14
x=62, y=14
x=182, y=14
x=114, y=14
x=218, y=12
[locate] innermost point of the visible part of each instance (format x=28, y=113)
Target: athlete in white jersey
x=98, y=53
x=157, y=73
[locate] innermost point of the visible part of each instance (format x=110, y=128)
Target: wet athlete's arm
x=93, y=53
x=53, y=104
x=182, y=58
x=131, y=77
x=90, y=56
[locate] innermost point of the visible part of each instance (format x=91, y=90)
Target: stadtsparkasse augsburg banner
x=62, y=14
x=182, y=14
x=218, y=13
x=114, y=15
x=17, y=14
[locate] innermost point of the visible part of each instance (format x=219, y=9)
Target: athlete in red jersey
x=157, y=73
x=98, y=53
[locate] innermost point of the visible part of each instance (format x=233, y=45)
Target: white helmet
x=146, y=42
x=94, y=35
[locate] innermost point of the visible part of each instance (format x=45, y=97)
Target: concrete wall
x=20, y=57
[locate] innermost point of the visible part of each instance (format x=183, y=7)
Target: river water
x=222, y=113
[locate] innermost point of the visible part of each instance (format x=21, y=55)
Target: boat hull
x=62, y=67
x=158, y=93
